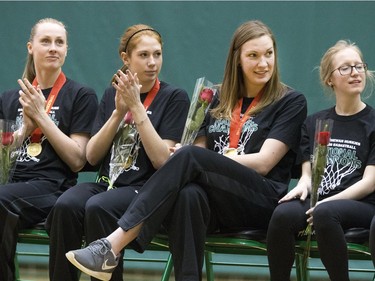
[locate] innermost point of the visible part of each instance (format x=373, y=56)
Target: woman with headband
x=158, y=110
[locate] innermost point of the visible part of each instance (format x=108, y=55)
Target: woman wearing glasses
x=347, y=198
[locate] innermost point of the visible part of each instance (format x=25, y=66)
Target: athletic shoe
x=96, y=260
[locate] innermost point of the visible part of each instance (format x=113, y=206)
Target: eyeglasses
x=348, y=69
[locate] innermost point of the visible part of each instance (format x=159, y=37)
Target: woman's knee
x=323, y=212
x=67, y=205
x=289, y=217
x=93, y=206
x=283, y=214
x=188, y=154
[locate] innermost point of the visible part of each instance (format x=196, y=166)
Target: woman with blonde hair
x=346, y=194
x=54, y=114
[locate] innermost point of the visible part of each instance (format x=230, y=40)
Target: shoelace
x=98, y=247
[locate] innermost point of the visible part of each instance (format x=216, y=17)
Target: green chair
x=246, y=242
x=358, y=250
x=249, y=242
x=36, y=235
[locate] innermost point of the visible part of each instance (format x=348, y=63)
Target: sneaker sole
x=98, y=275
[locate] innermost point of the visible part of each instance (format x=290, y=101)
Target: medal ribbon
x=237, y=122
x=36, y=135
x=149, y=98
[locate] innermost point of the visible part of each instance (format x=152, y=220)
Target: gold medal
x=230, y=151
x=128, y=163
x=34, y=149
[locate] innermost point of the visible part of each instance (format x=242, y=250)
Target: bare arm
x=303, y=187
x=271, y=152
x=99, y=144
x=157, y=149
x=360, y=189
x=71, y=149
x=128, y=98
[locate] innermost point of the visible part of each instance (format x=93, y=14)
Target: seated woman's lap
x=290, y=216
x=115, y=201
x=76, y=197
x=347, y=213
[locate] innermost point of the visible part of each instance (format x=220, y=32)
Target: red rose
x=323, y=138
x=206, y=95
x=6, y=138
x=128, y=118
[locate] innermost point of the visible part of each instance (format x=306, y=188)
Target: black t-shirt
x=167, y=113
x=351, y=149
x=281, y=120
x=72, y=112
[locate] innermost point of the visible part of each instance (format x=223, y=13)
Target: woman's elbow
x=263, y=171
x=264, y=168
x=78, y=165
x=92, y=159
x=159, y=162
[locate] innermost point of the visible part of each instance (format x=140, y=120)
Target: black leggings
x=331, y=219
x=201, y=190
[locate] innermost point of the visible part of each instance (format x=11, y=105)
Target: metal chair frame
x=243, y=242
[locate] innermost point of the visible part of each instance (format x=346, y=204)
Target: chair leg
x=209, y=268
x=17, y=268
x=302, y=271
x=299, y=268
x=168, y=269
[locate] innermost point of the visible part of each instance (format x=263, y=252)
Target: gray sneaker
x=96, y=260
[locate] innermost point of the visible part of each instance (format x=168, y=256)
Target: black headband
x=144, y=29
